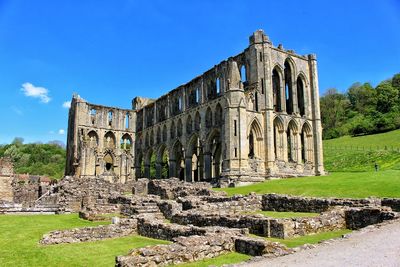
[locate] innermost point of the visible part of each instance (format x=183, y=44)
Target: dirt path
x=372, y=246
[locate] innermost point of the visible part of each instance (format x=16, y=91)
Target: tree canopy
x=36, y=158
x=363, y=109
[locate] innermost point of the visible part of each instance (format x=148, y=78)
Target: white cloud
x=61, y=131
x=36, y=92
x=66, y=104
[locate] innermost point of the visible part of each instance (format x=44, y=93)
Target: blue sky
x=111, y=51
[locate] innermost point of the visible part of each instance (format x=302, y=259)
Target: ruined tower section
x=100, y=141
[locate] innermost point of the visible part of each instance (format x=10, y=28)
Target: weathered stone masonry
x=253, y=116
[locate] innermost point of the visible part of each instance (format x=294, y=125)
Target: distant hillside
x=36, y=159
x=360, y=153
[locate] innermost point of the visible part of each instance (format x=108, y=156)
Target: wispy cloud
x=36, y=92
x=61, y=131
x=66, y=104
x=17, y=110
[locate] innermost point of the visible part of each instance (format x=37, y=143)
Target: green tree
x=334, y=112
x=362, y=97
x=387, y=97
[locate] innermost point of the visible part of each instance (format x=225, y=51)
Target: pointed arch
x=189, y=125
x=172, y=130
x=255, y=139
x=218, y=115
x=209, y=120
x=179, y=128
x=126, y=142
x=164, y=133
x=300, y=95
x=109, y=140
x=276, y=88
x=197, y=121
x=289, y=78
x=93, y=139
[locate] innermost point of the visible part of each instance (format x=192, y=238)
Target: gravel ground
x=377, y=245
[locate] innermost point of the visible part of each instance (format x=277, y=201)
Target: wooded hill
x=361, y=110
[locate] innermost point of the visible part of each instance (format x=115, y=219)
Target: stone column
x=158, y=170
x=172, y=168
x=207, y=165
x=188, y=169
x=316, y=115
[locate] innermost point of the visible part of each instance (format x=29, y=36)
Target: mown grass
x=360, y=153
x=339, y=184
x=20, y=235
x=310, y=239
x=229, y=258
x=389, y=139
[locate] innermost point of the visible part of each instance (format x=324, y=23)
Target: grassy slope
x=360, y=153
x=389, y=139
x=20, y=235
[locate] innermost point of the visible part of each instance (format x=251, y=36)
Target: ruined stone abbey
x=253, y=116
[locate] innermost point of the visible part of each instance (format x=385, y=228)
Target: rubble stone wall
x=276, y=202
x=393, y=203
x=123, y=228
x=259, y=246
x=185, y=249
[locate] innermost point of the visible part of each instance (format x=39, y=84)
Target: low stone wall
x=184, y=249
x=166, y=231
x=357, y=218
x=263, y=226
x=123, y=228
x=257, y=224
x=276, y=202
x=331, y=220
x=259, y=246
x=393, y=203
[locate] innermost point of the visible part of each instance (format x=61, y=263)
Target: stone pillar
x=207, y=165
x=158, y=170
x=172, y=168
x=316, y=115
x=188, y=169
x=283, y=93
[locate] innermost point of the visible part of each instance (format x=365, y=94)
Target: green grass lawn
x=389, y=139
x=339, y=184
x=360, y=153
x=278, y=214
x=229, y=258
x=310, y=239
x=20, y=234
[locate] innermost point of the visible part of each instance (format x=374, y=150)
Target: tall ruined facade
x=253, y=116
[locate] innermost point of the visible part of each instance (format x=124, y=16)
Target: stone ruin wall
x=22, y=189
x=100, y=141
x=196, y=214
x=231, y=125
x=6, y=178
